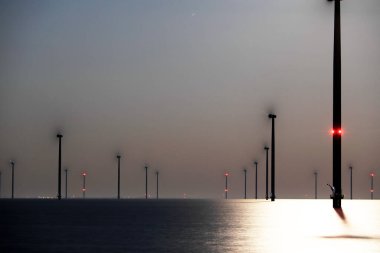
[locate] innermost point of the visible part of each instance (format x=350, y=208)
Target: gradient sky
x=185, y=86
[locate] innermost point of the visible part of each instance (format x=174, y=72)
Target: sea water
x=93, y=225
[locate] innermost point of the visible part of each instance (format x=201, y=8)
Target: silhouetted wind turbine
x=13, y=176
x=337, y=195
x=256, y=180
x=146, y=181
x=59, y=136
x=118, y=156
x=273, y=195
x=84, y=174
x=372, y=190
x=226, y=187
x=245, y=183
x=157, y=184
x=266, y=173
x=66, y=170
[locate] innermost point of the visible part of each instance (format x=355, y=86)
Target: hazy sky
x=185, y=86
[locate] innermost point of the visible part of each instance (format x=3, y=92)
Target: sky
x=185, y=87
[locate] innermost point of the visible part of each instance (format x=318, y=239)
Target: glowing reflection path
x=93, y=225
x=312, y=226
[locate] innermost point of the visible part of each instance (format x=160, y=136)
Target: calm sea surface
x=188, y=226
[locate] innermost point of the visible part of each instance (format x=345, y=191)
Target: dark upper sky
x=185, y=86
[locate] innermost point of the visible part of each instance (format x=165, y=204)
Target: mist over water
x=186, y=88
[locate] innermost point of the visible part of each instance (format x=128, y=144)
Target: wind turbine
x=157, y=184
x=256, y=179
x=266, y=173
x=372, y=175
x=273, y=195
x=84, y=174
x=146, y=181
x=336, y=131
x=12, y=163
x=118, y=156
x=226, y=187
x=245, y=183
x=59, y=136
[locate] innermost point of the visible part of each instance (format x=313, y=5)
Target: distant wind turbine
x=146, y=181
x=256, y=179
x=226, y=186
x=245, y=183
x=118, y=156
x=59, y=136
x=12, y=163
x=372, y=175
x=266, y=173
x=84, y=174
x=157, y=184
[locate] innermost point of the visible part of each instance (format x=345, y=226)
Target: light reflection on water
x=307, y=226
x=189, y=226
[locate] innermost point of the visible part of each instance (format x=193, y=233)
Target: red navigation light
x=372, y=174
x=84, y=174
x=336, y=131
x=226, y=174
x=84, y=189
x=371, y=190
x=226, y=190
